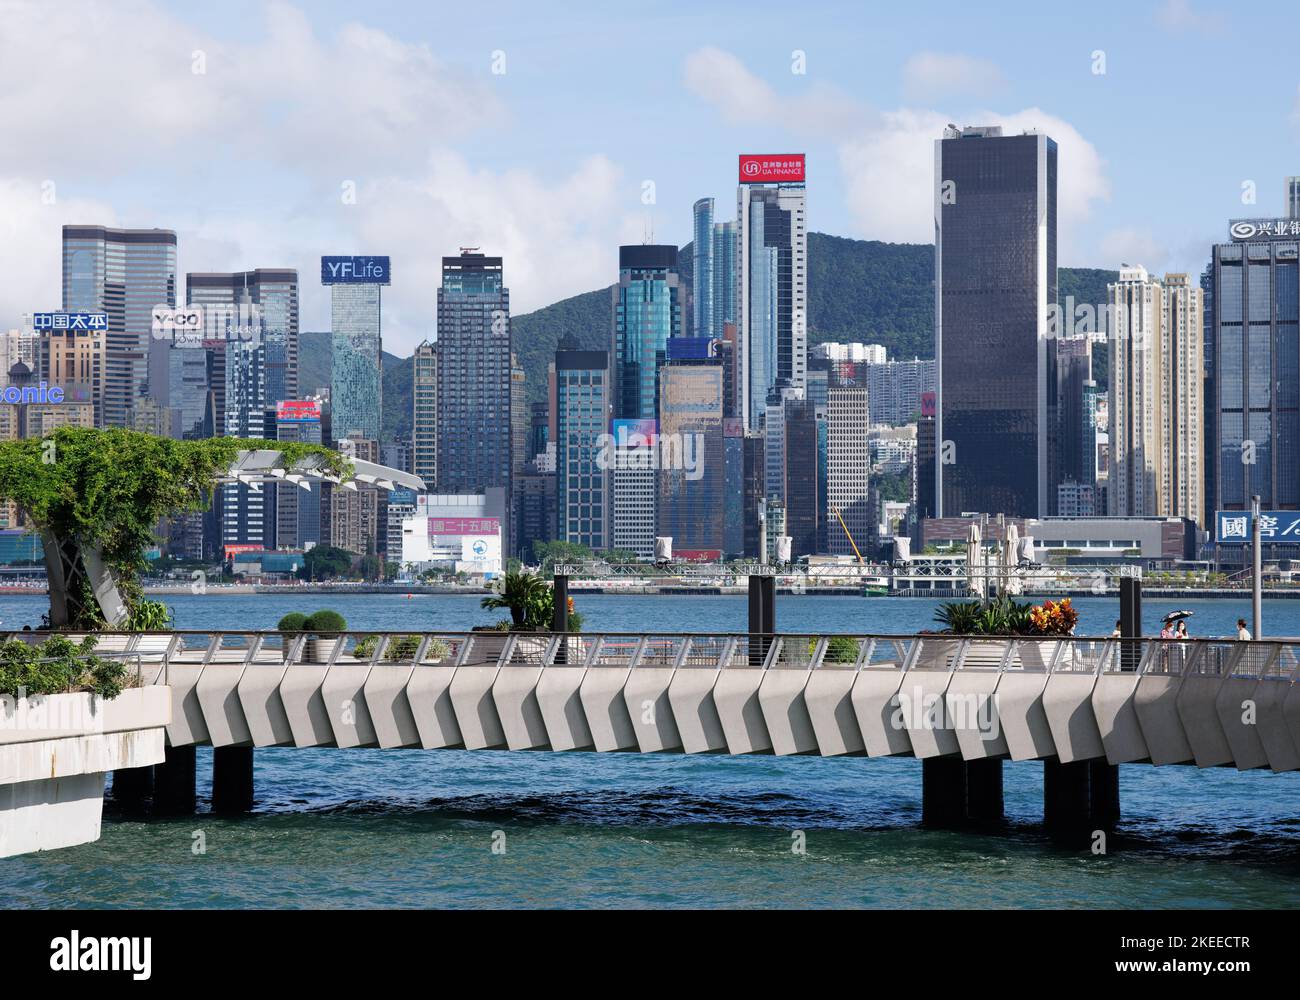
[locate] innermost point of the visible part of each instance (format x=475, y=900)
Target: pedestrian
x=1167, y=630
x=1180, y=632
x=1242, y=631
x=1118, y=633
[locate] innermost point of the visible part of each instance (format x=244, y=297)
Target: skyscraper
x=702, y=276
x=424, y=418
x=649, y=303
x=1156, y=377
x=723, y=266
x=582, y=384
x=1256, y=296
x=1293, y=197
x=772, y=292
x=692, y=458
x=356, y=383
x=848, y=462
x=124, y=273
x=474, y=375
x=995, y=281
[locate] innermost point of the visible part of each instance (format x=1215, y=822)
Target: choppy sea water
x=349, y=828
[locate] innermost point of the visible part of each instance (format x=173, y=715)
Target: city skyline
x=387, y=128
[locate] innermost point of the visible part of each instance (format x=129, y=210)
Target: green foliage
x=110, y=488
x=527, y=597
x=895, y=486
x=294, y=621
x=56, y=666
x=547, y=554
x=839, y=649
x=1001, y=616
x=325, y=621
x=325, y=562
x=399, y=648
x=148, y=616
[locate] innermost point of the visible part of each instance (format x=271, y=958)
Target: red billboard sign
x=234, y=550
x=295, y=410
x=699, y=555
x=771, y=168
x=928, y=405
x=464, y=526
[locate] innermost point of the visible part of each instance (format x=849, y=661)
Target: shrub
x=149, y=616
x=325, y=621
x=1055, y=618
x=841, y=649
x=294, y=621
x=56, y=666
x=402, y=647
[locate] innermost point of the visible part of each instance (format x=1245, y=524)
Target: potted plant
x=320, y=647
x=289, y=626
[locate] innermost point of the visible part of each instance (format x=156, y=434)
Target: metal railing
x=157, y=655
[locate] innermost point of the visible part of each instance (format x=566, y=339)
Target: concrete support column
x=762, y=615
x=133, y=788
x=943, y=792
x=232, y=780
x=1066, y=797
x=1103, y=794
x=984, y=791
x=173, y=783
x=958, y=793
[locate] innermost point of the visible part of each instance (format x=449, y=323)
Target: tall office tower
x=1068, y=458
x=535, y=513
x=74, y=361
x=424, y=418
x=925, y=478
x=633, y=484
x=724, y=255
x=124, y=273
x=995, y=282
x=357, y=347
x=582, y=494
x=247, y=511
x=520, y=417
x=754, y=493
x=1157, y=375
x=733, y=486
x=772, y=288
x=180, y=384
x=847, y=487
x=1293, y=197
x=298, y=506
x=354, y=514
x=648, y=312
x=806, y=477
x=474, y=380
x=1210, y=432
x=538, y=429
x=692, y=464
x=774, y=435
x=702, y=270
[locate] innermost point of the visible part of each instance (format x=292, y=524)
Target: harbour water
x=352, y=828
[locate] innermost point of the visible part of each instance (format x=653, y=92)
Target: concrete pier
x=132, y=789
x=232, y=780
x=1079, y=797
x=958, y=793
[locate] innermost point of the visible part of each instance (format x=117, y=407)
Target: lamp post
x=1257, y=558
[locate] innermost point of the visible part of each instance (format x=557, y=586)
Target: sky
x=269, y=133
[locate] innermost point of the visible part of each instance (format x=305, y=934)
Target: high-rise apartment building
x=772, y=286
x=703, y=275
x=424, y=418
x=995, y=282
x=1156, y=404
x=357, y=349
x=691, y=462
x=124, y=273
x=649, y=310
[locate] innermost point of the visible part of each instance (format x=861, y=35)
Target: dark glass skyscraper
x=649, y=303
x=995, y=282
x=474, y=377
x=1256, y=381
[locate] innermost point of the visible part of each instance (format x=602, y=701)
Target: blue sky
x=244, y=125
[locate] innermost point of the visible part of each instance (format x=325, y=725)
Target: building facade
x=995, y=281
x=649, y=310
x=357, y=350
x=848, y=479
x=424, y=418
x=583, y=398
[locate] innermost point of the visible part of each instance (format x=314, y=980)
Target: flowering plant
x=1054, y=617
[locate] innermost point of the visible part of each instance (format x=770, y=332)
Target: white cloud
x=887, y=159
x=245, y=159
x=1180, y=15
x=929, y=76
x=1131, y=245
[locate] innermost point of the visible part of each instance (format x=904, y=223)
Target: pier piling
x=173, y=783
x=957, y=793
x=232, y=780
x=132, y=788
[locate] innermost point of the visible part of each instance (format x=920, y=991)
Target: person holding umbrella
x=1175, y=625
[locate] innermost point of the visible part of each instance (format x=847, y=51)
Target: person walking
x=1180, y=630
x=1118, y=633
x=1242, y=631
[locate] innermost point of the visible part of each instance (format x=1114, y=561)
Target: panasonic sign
x=354, y=271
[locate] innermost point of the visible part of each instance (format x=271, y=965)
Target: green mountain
x=858, y=290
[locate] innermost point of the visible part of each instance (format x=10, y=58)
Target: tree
x=96, y=497
x=549, y=553
x=326, y=562
x=525, y=596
